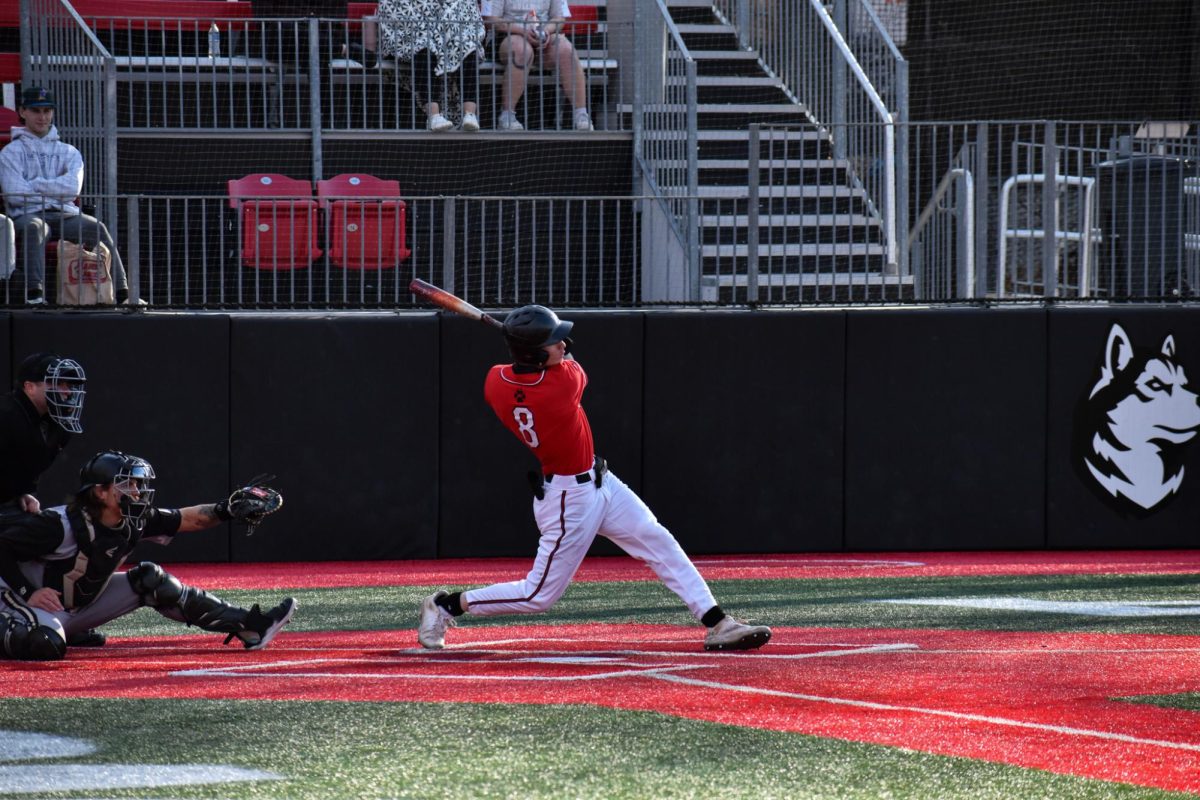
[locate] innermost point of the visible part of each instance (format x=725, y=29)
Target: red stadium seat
x=366, y=233
x=278, y=231
x=583, y=20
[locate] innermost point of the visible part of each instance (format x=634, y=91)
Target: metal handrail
x=966, y=215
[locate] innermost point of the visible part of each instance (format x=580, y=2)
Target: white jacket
x=43, y=174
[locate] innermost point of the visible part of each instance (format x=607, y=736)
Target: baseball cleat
x=733, y=634
x=268, y=624
x=89, y=638
x=431, y=629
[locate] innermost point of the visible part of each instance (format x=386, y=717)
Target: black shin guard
x=160, y=589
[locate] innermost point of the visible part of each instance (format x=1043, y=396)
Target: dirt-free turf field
x=913, y=675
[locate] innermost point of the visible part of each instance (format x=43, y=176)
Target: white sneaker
x=508, y=122
x=439, y=124
x=733, y=634
x=470, y=122
x=431, y=629
x=583, y=120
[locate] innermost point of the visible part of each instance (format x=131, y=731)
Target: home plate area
x=1043, y=700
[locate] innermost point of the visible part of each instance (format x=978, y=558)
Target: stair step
x=728, y=80
x=714, y=27
x=725, y=55
x=731, y=134
x=788, y=220
x=856, y=278
x=742, y=193
x=719, y=108
x=795, y=250
x=767, y=163
x=685, y=3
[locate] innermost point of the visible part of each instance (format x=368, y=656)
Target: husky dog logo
x=1132, y=430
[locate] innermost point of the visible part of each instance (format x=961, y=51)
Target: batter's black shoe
x=733, y=634
x=268, y=624
x=88, y=638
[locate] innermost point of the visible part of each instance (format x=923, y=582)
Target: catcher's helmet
x=128, y=474
x=65, y=381
x=529, y=329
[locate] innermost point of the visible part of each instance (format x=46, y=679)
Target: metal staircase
x=812, y=235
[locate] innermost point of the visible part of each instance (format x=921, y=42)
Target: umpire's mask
x=65, y=382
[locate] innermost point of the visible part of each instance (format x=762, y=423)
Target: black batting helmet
x=529, y=329
x=127, y=472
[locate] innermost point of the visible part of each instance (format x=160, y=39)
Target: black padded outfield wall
x=346, y=411
x=945, y=429
x=158, y=387
x=743, y=428
x=744, y=431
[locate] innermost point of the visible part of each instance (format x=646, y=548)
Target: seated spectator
x=450, y=31
x=528, y=29
x=41, y=177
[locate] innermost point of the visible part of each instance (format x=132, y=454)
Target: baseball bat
x=443, y=299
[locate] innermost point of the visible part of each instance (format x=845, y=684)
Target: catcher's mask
x=129, y=475
x=65, y=382
x=529, y=329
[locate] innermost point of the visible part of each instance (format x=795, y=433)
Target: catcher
x=59, y=569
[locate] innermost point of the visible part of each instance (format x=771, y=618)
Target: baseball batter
x=539, y=398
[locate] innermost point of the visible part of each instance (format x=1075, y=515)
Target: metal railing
x=230, y=74
x=1062, y=210
x=942, y=241
x=199, y=252
x=810, y=50
x=59, y=52
x=665, y=143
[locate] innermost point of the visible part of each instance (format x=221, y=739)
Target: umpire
x=37, y=419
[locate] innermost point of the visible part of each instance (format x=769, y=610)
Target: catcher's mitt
x=250, y=504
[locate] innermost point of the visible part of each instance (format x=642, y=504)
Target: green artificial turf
x=1185, y=700
x=329, y=750
x=819, y=603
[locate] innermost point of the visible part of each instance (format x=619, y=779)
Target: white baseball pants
x=569, y=517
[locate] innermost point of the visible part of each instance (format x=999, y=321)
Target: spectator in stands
x=528, y=29
x=417, y=31
x=41, y=177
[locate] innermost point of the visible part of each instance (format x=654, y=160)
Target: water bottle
x=214, y=41
x=532, y=20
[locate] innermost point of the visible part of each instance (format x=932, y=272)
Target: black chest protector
x=102, y=551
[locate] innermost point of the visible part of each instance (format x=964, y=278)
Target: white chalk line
x=936, y=712
x=577, y=658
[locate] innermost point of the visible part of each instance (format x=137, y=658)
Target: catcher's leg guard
x=162, y=590
x=23, y=639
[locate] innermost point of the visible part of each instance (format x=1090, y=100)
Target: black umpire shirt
x=29, y=443
x=76, y=563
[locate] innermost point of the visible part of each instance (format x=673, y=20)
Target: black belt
x=599, y=466
x=582, y=477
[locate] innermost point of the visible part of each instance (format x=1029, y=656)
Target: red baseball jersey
x=545, y=411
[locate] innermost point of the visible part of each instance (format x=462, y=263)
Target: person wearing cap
x=37, y=419
x=41, y=176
